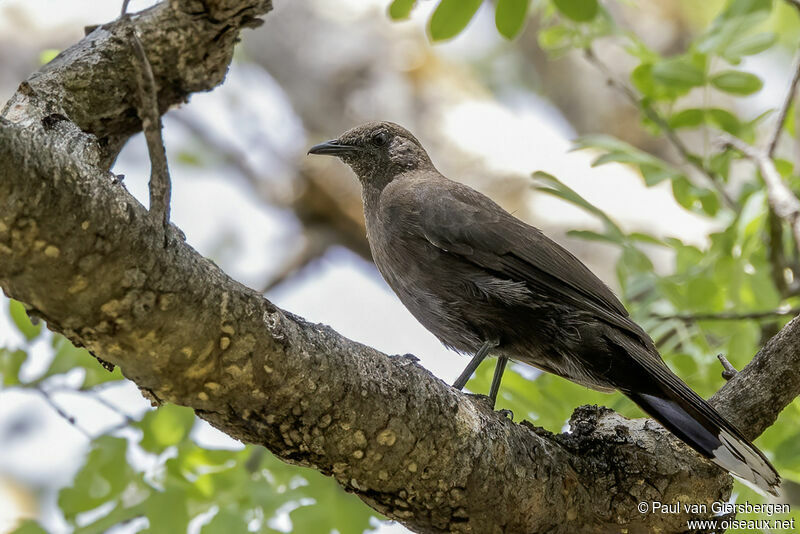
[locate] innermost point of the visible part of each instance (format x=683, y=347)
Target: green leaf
x=751, y=216
x=638, y=49
x=556, y=39
x=401, y=9
x=22, y=321
x=653, y=169
x=654, y=174
x=103, y=477
x=120, y=514
x=509, y=17
x=10, y=364
x=166, y=512
x=790, y=120
x=709, y=201
x=646, y=238
x=68, y=357
x=451, y=17
x=554, y=186
x=636, y=260
x=167, y=426
x=725, y=34
x=749, y=45
x=190, y=158
x=225, y=522
x=704, y=294
x=589, y=235
x=693, y=198
x=29, y=526
x=605, y=142
x=725, y=120
x=682, y=191
x=720, y=163
x=644, y=81
x=737, y=82
x=687, y=118
x=679, y=73
x=738, y=8
x=47, y=55
x=333, y=509
x=577, y=10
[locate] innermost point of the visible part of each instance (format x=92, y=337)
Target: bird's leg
x=473, y=364
x=498, y=376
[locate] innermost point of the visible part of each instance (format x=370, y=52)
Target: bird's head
x=377, y=151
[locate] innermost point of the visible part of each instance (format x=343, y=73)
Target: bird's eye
x=380, y=139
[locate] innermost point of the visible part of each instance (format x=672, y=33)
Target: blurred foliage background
x=643, y=88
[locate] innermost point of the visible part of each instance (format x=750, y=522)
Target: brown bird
x=483, y=281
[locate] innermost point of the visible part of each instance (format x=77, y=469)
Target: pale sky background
x=341, y=289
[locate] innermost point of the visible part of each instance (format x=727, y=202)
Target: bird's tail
x=684, y=413
x=666, y=398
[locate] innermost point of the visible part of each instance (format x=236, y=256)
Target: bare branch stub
x=729, y=370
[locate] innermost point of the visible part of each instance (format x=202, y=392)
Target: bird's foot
x=479, y=398
x=506, y=413
x=410, y=358
x=488, y=402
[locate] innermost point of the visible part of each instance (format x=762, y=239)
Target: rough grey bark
x=85, y=256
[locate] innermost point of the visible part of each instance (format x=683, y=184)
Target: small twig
x=654, y=116
x=729, y=316
x=787, y=103
x=314, y=247
x=94, y=394
x=730, y=371
x=64, y=415
x=116, y=409
x=237, y=158
x=781, y=199
x=150, y=116
x=124, y=8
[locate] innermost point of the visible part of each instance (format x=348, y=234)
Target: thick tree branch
x=407, y=443
x=85, y=255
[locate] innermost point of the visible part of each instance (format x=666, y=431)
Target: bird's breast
x=436, y=287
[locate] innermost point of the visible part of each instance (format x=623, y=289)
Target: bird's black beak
x=332, y=148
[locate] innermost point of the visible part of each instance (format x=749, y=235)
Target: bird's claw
x=489, y=402
x=506, y=413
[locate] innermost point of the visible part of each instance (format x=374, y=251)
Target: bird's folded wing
x=466, y=223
